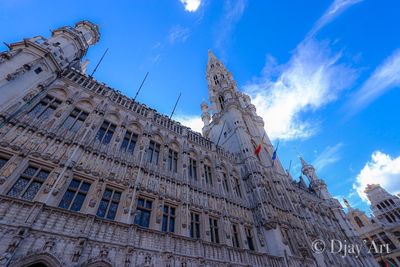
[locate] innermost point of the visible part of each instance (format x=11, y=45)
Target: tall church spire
x=220, y=83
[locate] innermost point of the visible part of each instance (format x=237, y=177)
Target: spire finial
x=303, y=162
x=346, y=202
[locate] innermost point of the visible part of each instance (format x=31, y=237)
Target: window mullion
x=73, y=199
x=27, y=185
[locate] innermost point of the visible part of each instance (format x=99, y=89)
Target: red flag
x=258, y=149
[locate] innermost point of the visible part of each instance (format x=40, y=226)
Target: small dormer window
x=212, y=66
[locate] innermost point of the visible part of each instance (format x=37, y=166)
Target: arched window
x=221, y=101
x=358, y=221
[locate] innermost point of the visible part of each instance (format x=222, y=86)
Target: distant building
x=89, y=177
x=382, y=228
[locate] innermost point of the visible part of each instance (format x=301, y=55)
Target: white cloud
x=328, y=156
x=178, y=34
x=191, y=5
x=192, y=121
x=233, y=11
x=312, y=78
x=381, y=169
x=334, y=10
x=385, y=77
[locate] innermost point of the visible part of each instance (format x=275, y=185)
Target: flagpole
x=176, y=103
x=98, y=64
x=140, y=87
x=220, y=134
x=288, y=171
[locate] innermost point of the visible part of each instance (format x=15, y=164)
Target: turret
x=205, y=115
x=317, y=184
x=32, y=64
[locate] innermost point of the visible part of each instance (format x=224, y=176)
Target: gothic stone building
x=89, y=177
x=381, y=231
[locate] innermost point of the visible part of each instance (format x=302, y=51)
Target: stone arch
x=134, y=127
x=193, y=154
x=174, y=146
x=113, y=117
x=46, y=259
x=157, y=137
x=98, y=263
x=59, y=93
x=207, y=160
x=85, y=104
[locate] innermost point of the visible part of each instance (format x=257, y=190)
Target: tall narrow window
x=109, y=204
x=3, y=162
x=75, y=195
x=235, y=236
x=168, y=221
x=153, y=152
x=75, y=120
x=192, y=169
x=221, y=101
x=173, y=160
x=45, y=108
x=214, y=230
x=29, y=183
x=143, y=212
x=238, y=191
x=105, y=132
x=129, y=142
x=249, y=237
x=358, y=221
x=207, y=173
x=194, y=225
x=216, y=81
x=225, y=182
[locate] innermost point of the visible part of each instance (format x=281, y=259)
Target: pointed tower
x=384, y=205
x=221, y=85
x=237, y=128
x=34, y=63
x=235, y=122
x=317, y=184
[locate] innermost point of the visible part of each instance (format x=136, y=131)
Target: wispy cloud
x=178, y=33
x=334, y=10
x=385, y=77
x=233, y=11
x=312, y=78
x=191, y=5
x=328, y=156
x=192, y=121
x=381, y=169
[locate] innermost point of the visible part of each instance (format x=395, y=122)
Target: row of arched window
x=153, y=154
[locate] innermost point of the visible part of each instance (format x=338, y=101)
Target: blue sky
x=324, y=75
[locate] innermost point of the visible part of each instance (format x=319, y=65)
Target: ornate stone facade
x=381, y=231
x=89, y=177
